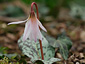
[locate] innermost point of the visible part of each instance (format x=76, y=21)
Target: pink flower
x=32, y=26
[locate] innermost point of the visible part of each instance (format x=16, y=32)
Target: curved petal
x=41, y=26
x=17, y=22
x=39, y=35
x=34, y=32
x=27, y=30
x=33, y=36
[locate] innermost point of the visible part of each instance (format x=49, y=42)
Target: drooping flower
x=32, y=28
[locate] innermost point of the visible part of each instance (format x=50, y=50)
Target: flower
x=32, y=26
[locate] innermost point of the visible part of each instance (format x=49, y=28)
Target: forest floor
x=75, y=30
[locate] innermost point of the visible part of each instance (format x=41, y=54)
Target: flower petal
x=39, y=35
x=17, y=22
x=41, y=26
x=27, y=30
x=34, y=32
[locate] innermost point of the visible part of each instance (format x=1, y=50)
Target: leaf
x=62, y=42
x=10, y=56
x=12, y=59
x=77, y=11
x=3, y=50
x=80, y=2
x=32, y=50
x=50, y=61
x=12, y=11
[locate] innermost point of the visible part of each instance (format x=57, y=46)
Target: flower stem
x=41, y=49
x=38, y=18
x=36, y=9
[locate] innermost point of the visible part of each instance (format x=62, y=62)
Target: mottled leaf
x=62, y=42
x=32, y=50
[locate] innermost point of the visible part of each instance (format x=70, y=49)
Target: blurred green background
x=48, y=8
